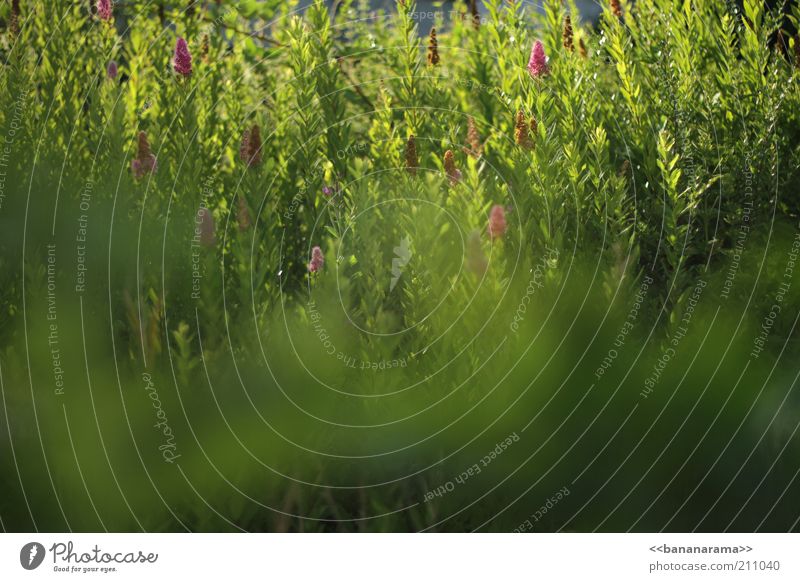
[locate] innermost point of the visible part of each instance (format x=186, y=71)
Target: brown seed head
x=143, y=146
x=797, y=51
x=582, y=48
x=433, y=49
x=567, y=34
x=243, y=216
x=453, y=174
x=616, y=9
x=475, y=148
x=145, y=162
x=204, y=47
x=250, y=148
x=13, y=21
x=255, y=145
x=412, y=163
x=522, y=131
x=476, y=17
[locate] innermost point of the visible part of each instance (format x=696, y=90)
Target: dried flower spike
x=145, y=162
x=205, y=227
x=182, y=60
x=317, y=260
x=475, y=148
x=582, y=48
x=476, y=17
x=453, y=173
x=497, y=222
x=797, y=51
x=522, y=128
x=250, y=148
x=566, y=34
x=537, y=64
x=105, y=9
x=433, y=49
x=780, y=42
x=112, y=70
x=616, y=8
x=204, y=47
x=243, y=215
x=13, y=20
x=412, y=163
x=476, y=258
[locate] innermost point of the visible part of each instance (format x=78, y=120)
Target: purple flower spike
x=537, y=65
x=105, y=9
x=327, y=191
x=182, y=61
x=112, y=70
x=144, y=166
x=317, y=260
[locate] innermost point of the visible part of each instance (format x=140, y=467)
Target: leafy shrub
x=301, y=230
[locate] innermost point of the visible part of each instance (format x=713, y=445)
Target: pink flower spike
x=497, y=222
x=182, y=61
x=317, y=260
x=112, y=70
x=105, y=9
x=537, y=64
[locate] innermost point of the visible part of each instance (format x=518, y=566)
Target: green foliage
x=648, y=155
